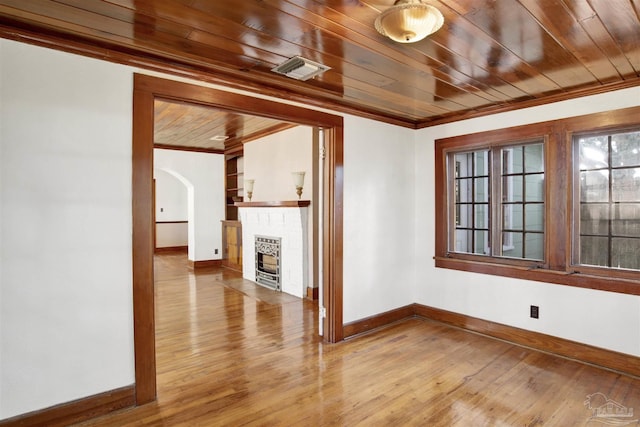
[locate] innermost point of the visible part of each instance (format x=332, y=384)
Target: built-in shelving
x=234, y=179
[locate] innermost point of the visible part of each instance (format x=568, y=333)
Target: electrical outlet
x=535, y=312
x=215, y=251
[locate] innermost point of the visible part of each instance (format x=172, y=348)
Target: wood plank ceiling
x=200, y=128
x=490, y=55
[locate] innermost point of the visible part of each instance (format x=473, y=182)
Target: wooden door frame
x=146, y=90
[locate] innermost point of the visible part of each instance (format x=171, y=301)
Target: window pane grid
x=609, y=209
x=472, y=194
x=518, y=211
x=522, y=206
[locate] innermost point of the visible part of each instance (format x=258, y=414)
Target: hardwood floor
x=232, y=353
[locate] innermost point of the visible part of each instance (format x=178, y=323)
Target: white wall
x=203, y=176
x=66, y=308
x=378, y=218
x=599, y=318
x=171, y=197
x=172, y=235
x=171, y=205
x=270, y=161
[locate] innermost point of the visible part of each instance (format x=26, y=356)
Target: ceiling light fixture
x=409, y=21
x=219, y=138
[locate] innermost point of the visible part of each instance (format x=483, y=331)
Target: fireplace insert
x=268, y=261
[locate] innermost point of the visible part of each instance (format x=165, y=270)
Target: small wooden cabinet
x=232, y=244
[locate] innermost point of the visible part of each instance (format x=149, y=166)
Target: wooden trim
x=77, y=410
x=378, y=320
x=207, y=263
x=143, y=246
x=275, y=204
x=558, y=267
x=184, y=148
x=280, y=127
x=172, y=249
x=333, y=233
x=535, y=102
x=231, y=266
x=585, y=353
x=146, y=89
x=572, y=278
x=172, y=222
x=312, y=293
x=608, y=359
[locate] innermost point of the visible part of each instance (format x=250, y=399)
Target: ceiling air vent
x=300, y=68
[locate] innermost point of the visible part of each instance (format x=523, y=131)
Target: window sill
x=580, y=280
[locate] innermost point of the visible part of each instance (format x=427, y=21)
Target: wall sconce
x=298, y=181
x=248, y=187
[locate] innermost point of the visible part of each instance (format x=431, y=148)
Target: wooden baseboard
x=205, y=263
x=607, y=359
x=231, y=265
x=76, y=411
x=172, y=249
x=377, y=321
x=312, y=293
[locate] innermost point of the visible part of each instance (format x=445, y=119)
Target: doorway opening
x=146, y=90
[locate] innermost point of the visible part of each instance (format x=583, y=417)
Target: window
x=608, y=230
x=519, y=188
x=557, y=202
x=471, y=186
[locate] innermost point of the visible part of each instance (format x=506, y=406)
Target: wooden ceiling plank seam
x=463, y=79
x=252, y=47
x=546, y=57
x=526, y=71
x=395, y=103
x=432, y=68
x=179, y=17
x=152, y=46
x=192, y=125
x=477, y=34
x=614, y=20
x=488, y=98
x=572, y=37
x=467, y=81
x=588, y=20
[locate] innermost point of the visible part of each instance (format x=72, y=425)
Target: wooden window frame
x=557, y=266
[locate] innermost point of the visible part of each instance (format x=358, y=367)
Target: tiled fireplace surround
x=287, y=221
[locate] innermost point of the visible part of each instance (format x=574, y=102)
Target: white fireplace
x=283, y=221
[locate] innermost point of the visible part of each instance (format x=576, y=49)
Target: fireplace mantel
x=275, y=204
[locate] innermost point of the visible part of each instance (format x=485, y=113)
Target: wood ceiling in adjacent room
x=201, y=128
x=490, y=55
